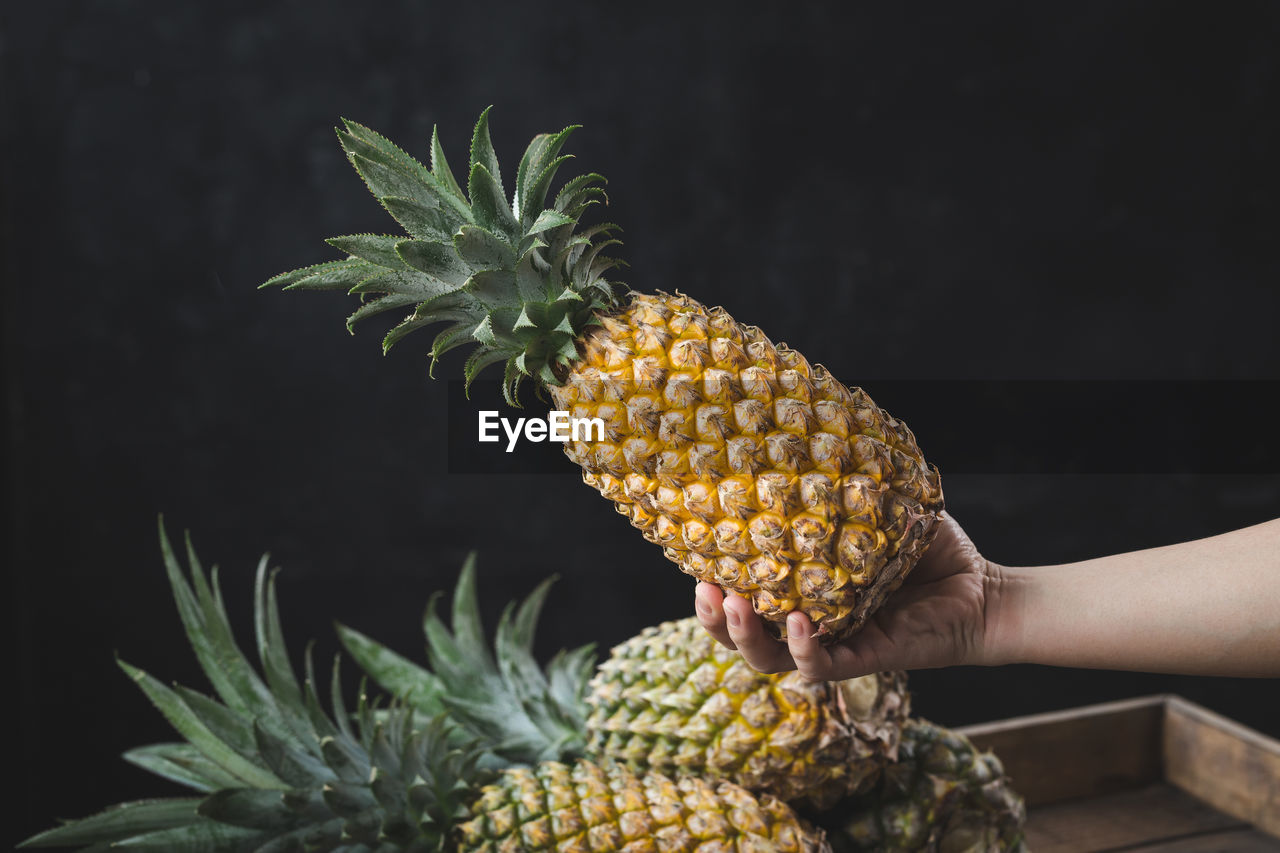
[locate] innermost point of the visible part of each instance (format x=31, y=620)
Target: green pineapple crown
x=527, y=714
x=273, y=772
x=518, y=281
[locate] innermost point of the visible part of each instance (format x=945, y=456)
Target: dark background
x=1082, y=191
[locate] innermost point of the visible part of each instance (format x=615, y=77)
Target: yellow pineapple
x=752, y=468
x=674, y=700
x=587, y=807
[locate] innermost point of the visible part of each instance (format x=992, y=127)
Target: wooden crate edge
x=1224, y=763
x=976, y=731
x=1078, y=753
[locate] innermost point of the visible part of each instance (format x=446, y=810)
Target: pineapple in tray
x=751, y=467
x=273, y=772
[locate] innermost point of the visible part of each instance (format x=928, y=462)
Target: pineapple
x=752, y=468
x=929, y=788
x=669, y=700
x=673, y=699
x=274, y=773
x=942, y=795
x=590, y=808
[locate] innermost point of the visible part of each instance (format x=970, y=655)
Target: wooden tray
x=1159, y=773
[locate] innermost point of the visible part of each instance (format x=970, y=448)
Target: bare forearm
x=1208, y=607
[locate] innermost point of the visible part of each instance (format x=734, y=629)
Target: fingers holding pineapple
x=937, y=618
x=731, y=620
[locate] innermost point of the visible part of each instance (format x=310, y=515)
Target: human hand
x=939, y=617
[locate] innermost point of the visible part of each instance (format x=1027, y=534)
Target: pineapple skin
x=750, y=467
x=673, y=700
x=943, y=796
x=590, y=808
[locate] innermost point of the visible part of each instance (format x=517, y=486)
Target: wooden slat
x=1233, y=768
x=1156, y=814
x=1084, y=752
x=1231, y=841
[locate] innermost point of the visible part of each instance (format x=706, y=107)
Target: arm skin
x=1208, y=607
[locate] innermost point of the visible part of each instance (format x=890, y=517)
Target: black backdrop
x=999, y=191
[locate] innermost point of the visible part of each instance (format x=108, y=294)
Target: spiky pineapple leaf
x=376, y=249
x=286, y=279
x=481, y=357
x=341, y=716
x=197, y=733
x=388, y=171
x=385, y=181
x=541, y=185
x=468, y=630
x=425, y=223
x=181, y=763
x=333, y=275
x=204, y=837
x=503, y=694
x=451, y=338
x=482, y=250
x=549, y=219
x=228, y=726
x=280, y=674
x=209, y=632
x=440, y=167
x=298, y=767
x=119, y=822
x=488, y=205
x=438, y=260
x=482, y=153
x=250, y=808
x=403, y=282
x=343, y=756
x=195, y=615
x=579, y=192
x=399, y=676
x=377, y=147
x=378, y=306
x=403, y=328
x=567, y=676
x=537, y=170
x=329, y=835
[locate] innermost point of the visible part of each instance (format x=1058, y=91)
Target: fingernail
x=701, y=607
x=732, y=616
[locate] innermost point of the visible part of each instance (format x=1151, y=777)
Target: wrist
x=1004, y=615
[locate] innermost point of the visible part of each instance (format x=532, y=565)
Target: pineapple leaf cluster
x=517, y=280
x=526, y=714
x=471, y=755
x=272, y=771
